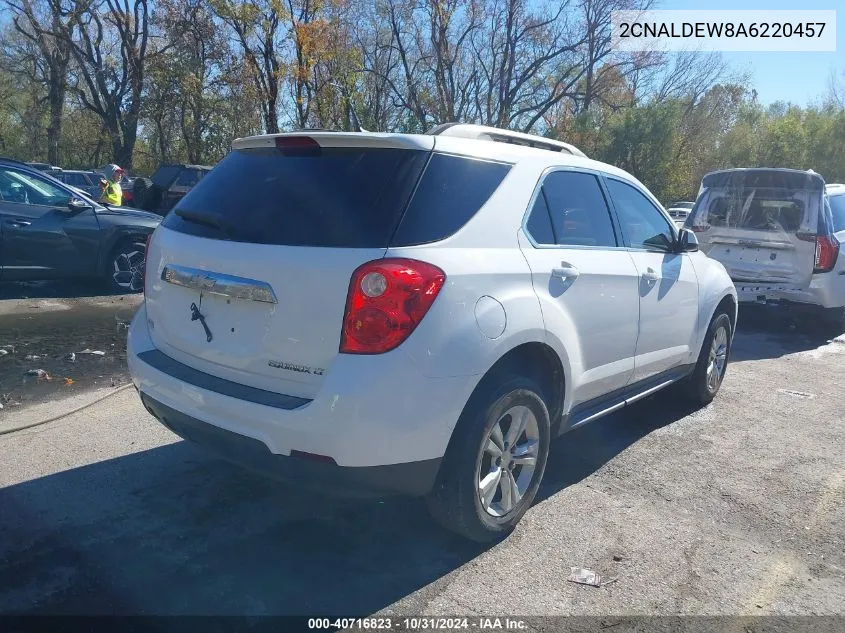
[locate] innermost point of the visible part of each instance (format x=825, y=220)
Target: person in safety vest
x=112, y=193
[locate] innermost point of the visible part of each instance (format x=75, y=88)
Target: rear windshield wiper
x=207, y=219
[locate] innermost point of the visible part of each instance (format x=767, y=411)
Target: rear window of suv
x=337, y=197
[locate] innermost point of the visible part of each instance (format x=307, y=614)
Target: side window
x=539, y=224
x=643, y=224
x=451, y=191
x=24, y=188
x=188, y=178
x=579, y=212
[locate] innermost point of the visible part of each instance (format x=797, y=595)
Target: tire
x=456, y=501
x=703, y=385
x=140, y=192
x=125, y=269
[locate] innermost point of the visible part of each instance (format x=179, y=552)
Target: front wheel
x=125, y=270
x=703, y=385
x=495, y=462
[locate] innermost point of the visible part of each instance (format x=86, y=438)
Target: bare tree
x=259, y=33
x=529, y=61
x=41, y=22
x=109, y=41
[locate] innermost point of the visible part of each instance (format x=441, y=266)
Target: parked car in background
x=679, y=211
x=48, y=230
x=777, y=234
x=46, y=167
x=86, y=181
x=305, y=300
x=166, y=187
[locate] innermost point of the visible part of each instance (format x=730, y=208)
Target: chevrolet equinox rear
x=419, y=314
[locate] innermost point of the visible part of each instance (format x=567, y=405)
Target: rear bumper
x=826, y=290
x=413, y=478
x=383, y=423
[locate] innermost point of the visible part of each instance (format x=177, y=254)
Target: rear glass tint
x=165, y=175
x=837, y=209
x=759, y=200
x=337, y=197
x=451, y=192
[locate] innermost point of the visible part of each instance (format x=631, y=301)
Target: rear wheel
x=495, y=462
x=125, y=270
x=703, y=385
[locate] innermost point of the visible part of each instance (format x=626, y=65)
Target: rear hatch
x=761, y=224
x=265, y=247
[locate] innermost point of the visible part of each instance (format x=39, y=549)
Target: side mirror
x=687, y=241
x=77, y=205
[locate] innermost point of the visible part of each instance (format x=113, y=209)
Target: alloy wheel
x=508, y=460
x=128, y=270
x=718, y=358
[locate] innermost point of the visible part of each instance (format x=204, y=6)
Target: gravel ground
x=735, y=509
x=47, y=326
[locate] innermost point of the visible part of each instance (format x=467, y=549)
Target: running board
x=605, y=405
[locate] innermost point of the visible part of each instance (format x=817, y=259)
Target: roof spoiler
x=485, y=133
x=763, y=177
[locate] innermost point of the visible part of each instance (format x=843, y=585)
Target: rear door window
x=450, y=193
x=539, y=225
x=580, y=215
x=333, y=197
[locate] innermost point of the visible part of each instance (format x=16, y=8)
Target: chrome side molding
x=218, y=283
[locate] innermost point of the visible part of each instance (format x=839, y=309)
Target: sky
x=799, y=78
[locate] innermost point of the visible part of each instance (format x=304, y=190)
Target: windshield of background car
x=837, y=209
x=338, y=197
x=165, y=175
x=759, y=200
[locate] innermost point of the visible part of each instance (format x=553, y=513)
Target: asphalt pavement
x=734, y=509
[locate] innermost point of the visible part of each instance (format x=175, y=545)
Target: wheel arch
x=118, y=238
x=536, y=360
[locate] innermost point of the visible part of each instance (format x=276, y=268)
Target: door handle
x=566, y=271
x=19, y=222
x=650, y=276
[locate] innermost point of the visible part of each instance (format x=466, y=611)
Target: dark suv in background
x=168, y=185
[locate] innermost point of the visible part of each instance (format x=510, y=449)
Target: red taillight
x=699, y=229
x=387, y=299
x=827, y=252
x=146, y=252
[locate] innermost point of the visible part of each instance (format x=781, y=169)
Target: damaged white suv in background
x=779, y=233
x=419, y=314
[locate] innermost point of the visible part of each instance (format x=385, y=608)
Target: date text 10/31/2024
x=418, y=624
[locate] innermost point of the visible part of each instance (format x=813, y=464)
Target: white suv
x=419, y=314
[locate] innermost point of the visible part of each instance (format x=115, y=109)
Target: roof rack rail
x=485, y=133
